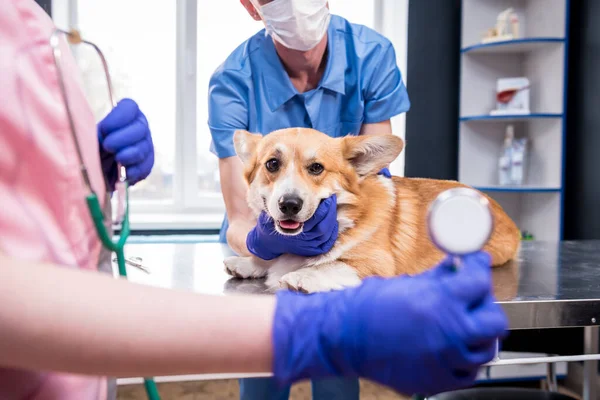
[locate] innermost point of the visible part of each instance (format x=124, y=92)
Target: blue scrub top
x=251, y=89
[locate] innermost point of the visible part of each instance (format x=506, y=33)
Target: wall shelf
x=516, y=46
x=518, y=189
x=509, y=118
x=541, y=56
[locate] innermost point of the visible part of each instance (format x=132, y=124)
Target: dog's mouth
x=289, y=226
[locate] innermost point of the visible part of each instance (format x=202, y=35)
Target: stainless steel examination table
x=552, y=285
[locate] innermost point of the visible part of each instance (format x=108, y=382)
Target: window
x=221, y=27
x=141, y=56
x=162, y=54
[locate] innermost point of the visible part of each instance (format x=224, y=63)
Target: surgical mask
x=296, y=24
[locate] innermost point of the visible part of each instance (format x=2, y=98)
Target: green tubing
x=98, y=218
x=151, y=389
x=121, y=263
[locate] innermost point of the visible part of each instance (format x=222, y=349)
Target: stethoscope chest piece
x=460, y=221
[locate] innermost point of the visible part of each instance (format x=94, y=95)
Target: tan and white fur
x=382, y=229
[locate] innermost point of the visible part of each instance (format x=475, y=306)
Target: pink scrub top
x=43, y=213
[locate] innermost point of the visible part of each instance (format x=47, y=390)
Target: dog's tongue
x=289, y=224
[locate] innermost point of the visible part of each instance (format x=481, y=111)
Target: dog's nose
x=290, y=204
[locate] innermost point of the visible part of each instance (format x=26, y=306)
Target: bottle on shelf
x=517, y=169
x=505, y=161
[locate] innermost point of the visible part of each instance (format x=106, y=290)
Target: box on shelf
x=512, y=96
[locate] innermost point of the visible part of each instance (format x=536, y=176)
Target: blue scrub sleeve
x=227, y=110
x=386, y=94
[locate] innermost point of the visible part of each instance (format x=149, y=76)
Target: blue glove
x=124, y=137
x=385, y=172
x=425, y=334
x=317, y=237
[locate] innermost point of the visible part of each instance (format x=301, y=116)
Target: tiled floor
x=228, y=390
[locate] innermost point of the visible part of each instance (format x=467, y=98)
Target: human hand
x=318, y=235
x=124, y=137
x=424, y=334
x=385, y=172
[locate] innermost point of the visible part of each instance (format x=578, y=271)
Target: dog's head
x=290, y=171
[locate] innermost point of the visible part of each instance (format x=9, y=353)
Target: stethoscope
x=120, y=217
x=459, y=222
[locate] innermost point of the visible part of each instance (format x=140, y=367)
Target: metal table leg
x=590, y=367
x=551, y=377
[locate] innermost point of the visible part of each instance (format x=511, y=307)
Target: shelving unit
x=509, y=118
x=540, y=54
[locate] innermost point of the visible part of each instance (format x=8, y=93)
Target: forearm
x=241, y=220
x=75, y=321
x=236, y=236
x=378, y=128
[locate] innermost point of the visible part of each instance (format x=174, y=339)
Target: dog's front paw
x=310, y=280
x=243, y=268
x=304, y=281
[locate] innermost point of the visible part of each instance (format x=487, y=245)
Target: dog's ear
x=245, y=144
x=368, y=154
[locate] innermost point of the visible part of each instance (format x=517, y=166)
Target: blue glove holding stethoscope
x=424, y=334
x=124, y=137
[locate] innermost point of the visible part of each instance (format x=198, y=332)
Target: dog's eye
x=272, y=165
x=315, y=168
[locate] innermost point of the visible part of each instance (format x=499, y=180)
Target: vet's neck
x=305, y=68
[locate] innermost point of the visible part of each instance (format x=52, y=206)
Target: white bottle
x=517, y=169
x=505, y=162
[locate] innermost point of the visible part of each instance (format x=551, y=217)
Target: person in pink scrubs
x=64, y=327
x=43, y=217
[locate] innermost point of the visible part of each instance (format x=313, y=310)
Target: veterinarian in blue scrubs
x=308, y=68
x=311, y=69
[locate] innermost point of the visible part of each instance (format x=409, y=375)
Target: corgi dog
x=382, y=221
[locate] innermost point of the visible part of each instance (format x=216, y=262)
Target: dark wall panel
x=582, y=187
x=432, y=83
